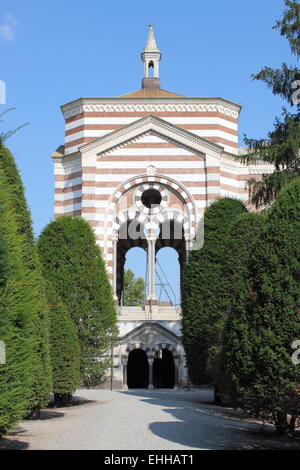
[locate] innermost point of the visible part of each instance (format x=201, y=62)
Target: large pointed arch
x=163, y=180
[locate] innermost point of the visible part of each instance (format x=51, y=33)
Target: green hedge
x=235, y=360
x=64, y=349
x=23, y=286
x=204, y=291
x=73, y=263
x=268, y=381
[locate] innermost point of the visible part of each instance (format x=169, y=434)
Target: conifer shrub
x=17, y=308
x=205, y=291
x=263, y=377
x=34, y=300
x=234, y=357
x=64, y=350
x=73, y=263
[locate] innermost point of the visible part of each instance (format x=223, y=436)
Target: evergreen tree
x=40, y=374
x=263, y=376
x=133, y=289
x=205, y=291
x=73, y=263
x=17, y=194
x=282, y=146
x=64, y=349
x=234, y=357
x=17, y=309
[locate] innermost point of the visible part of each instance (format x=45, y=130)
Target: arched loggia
x=131, y=234
x=167, y=276
x=136, y=262
x=171, y=242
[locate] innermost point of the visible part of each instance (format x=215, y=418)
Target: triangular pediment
x=148, y=124
x=149, y=329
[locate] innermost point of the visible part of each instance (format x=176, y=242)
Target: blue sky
x=56, y=51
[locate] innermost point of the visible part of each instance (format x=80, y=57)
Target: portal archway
x=163, y=369
x=137, y=369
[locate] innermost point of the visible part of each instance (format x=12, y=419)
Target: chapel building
x=142, y=168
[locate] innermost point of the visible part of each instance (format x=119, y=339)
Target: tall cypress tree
x=40, y=360
x=259, y=362
x=17, y=311
x=64, y=349
x=274, y=316
x=234, y=357
x=205, y=291
x=73, y=263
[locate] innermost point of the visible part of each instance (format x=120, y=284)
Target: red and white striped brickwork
x=89, y=185
x=214, y=120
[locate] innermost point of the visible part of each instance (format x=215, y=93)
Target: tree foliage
x=73, y=263
x=64, y=349
x=262, y=374
x=133, y=289
x=234, y=357
x=205, y=291
x=40, y=373
x=281, y=149
x=5, y=135
x=16, y=309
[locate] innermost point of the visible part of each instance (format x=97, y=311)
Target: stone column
x=114, y=268
x=151, y=300
x=176, y=363
x=124, y=363
x=146, y=72
x=150, y=362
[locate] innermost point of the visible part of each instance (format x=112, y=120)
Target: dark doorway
x=137, y=369
x=163, y=369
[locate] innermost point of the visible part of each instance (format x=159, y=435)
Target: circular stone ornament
x=151, y=198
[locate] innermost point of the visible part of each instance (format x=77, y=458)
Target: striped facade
x=79, y=187
x=116, y=149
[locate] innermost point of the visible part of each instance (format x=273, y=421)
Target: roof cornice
x=151, y=104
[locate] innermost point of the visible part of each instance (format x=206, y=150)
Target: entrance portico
x=146, y=362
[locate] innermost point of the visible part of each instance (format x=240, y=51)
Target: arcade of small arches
x=156, y=367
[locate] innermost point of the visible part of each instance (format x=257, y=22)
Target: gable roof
x=150, y=123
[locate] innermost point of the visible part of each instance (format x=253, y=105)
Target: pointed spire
x=151, y=57
x=151, y=45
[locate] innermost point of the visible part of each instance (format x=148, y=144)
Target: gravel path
x=139, y=419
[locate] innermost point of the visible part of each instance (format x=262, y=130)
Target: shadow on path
x=11, y=443
x=200, y=424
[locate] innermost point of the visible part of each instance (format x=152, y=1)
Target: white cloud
x=7, y=28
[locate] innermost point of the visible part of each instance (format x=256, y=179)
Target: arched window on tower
x=151, y=69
